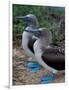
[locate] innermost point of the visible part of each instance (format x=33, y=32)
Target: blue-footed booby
x=49, y=56
x=40, y=47
x=28, y=39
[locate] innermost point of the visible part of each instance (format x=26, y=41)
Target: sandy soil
x=22, y=76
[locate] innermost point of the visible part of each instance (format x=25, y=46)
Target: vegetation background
x=53, y=18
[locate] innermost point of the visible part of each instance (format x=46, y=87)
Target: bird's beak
x=21, y=17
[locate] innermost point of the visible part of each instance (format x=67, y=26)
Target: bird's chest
x=27, y=42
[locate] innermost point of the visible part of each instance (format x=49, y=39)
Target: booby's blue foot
x=47, y=78
x=33, y=66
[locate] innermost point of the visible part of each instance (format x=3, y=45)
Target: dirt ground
x=22, y=76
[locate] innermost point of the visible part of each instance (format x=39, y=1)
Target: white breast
x=38, y=54
x=25, y=39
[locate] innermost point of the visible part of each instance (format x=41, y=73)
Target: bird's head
x=30, y=20
x=44, y=35
x=31, y=23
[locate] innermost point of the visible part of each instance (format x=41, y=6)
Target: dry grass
x=21, y=76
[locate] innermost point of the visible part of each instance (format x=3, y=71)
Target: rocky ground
x=22, y=76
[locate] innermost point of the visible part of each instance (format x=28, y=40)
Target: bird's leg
x=33, y=65
x=48, y=78
x=51, y=77
x=31, y=59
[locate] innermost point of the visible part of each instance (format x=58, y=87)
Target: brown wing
x=54, y=58
x=31, y=43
